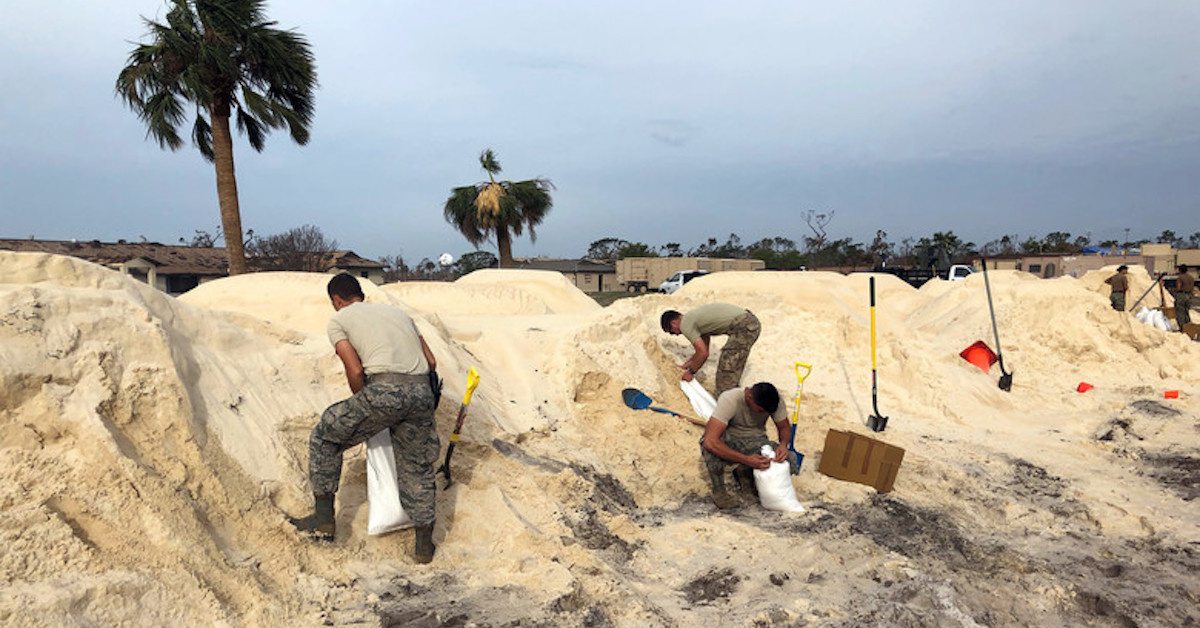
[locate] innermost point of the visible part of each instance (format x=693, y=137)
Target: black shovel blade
x=877, y=423
x=1006, y=382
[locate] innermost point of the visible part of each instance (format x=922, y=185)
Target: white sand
x=150, y=448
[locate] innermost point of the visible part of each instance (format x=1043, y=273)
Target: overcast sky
x=657, y=121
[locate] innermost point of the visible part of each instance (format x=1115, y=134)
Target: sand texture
x=151, y=448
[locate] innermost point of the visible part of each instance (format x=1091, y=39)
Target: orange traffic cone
x=980, y=355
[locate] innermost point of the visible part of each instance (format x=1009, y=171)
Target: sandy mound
x=294, y=300
x=151, y=447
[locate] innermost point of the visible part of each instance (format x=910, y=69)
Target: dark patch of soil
x=1153, y=408
x=614, y=496
x=591, y=532
x=509, y=450
x=712, y=585
x=1178, y=473
x=919, y=534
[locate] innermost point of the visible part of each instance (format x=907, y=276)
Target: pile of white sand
x=150, y=448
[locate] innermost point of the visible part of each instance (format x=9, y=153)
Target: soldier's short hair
x=346, y=286
x=666, y=319
x=766, y=396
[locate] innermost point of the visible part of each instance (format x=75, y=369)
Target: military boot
x=320, y=525
x=720, y=496
x=423, y=547
x=745, y=480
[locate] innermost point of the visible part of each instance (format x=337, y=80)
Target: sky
x=656, y=122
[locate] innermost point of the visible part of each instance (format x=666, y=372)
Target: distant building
x=1155, y=258
x=174, y=269
x=587, y=275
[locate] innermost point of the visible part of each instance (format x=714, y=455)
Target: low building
x=349, y=262
x=1155, y=258
x=174, y=269
x=587, y=275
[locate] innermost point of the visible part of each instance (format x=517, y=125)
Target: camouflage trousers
x=749, y=446
x=406, y=408
x=1183, y=307
x=1118, y=301
x=743, y=333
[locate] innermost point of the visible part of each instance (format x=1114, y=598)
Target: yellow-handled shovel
x=796, y=411
x=472, y=382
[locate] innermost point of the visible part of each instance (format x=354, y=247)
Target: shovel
x=877, y=422
x=638, y=400
x=1157, y=281
x=796, y=413
x=1005, y=376
x=472, y=382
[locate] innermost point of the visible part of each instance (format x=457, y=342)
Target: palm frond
x=460, y=210
x=220, y=55
x=202, y=136
x=255, y=130
x=490, y=164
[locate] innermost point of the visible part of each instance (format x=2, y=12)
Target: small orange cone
x=980, y=355
x=1084, y=387
x=1171, y=394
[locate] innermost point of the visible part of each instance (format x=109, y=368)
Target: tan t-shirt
x=740, y=420
x=713, y=318
x=1119, y=282
x=385, y=338
x=1185, y=283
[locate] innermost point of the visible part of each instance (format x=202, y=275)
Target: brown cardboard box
x=862, y=459
x=1192, y=330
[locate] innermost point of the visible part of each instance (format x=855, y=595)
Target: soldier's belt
x=395, y=378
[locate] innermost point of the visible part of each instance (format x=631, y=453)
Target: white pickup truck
x=676, y=281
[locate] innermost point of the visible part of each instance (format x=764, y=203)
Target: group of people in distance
x=1185, y=288
x=388, y=365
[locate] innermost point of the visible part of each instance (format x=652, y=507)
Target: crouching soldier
x=387, y=366
x=735, y=435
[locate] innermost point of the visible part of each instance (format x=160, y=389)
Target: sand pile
x=152, y=446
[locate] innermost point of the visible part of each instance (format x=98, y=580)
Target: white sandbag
x=384, y=512
x=775, y=490
x=1154, y=318
x=702, y=402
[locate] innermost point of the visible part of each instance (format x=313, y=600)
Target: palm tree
x=221, y=56
x=498, y=208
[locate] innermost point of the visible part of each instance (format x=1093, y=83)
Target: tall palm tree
x=222, y=56
x=498, y=208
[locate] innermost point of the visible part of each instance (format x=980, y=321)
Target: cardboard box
x=862, y=459
x=1192, y=330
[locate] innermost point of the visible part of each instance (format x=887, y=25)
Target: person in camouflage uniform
x=699, y=325
x=1120, y=284
x=735, y=434
x=1185, y=285
x=387, y=366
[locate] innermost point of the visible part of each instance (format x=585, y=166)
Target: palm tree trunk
x=227, y=196
x=504, y=244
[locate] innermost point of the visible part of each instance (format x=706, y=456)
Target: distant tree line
x=821, y=251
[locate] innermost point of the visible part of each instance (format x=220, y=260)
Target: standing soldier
x=1120, y=284
x=387, y=366
x=1185, y=284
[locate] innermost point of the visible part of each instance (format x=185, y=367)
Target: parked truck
x=640, y=274
x=932, y=263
